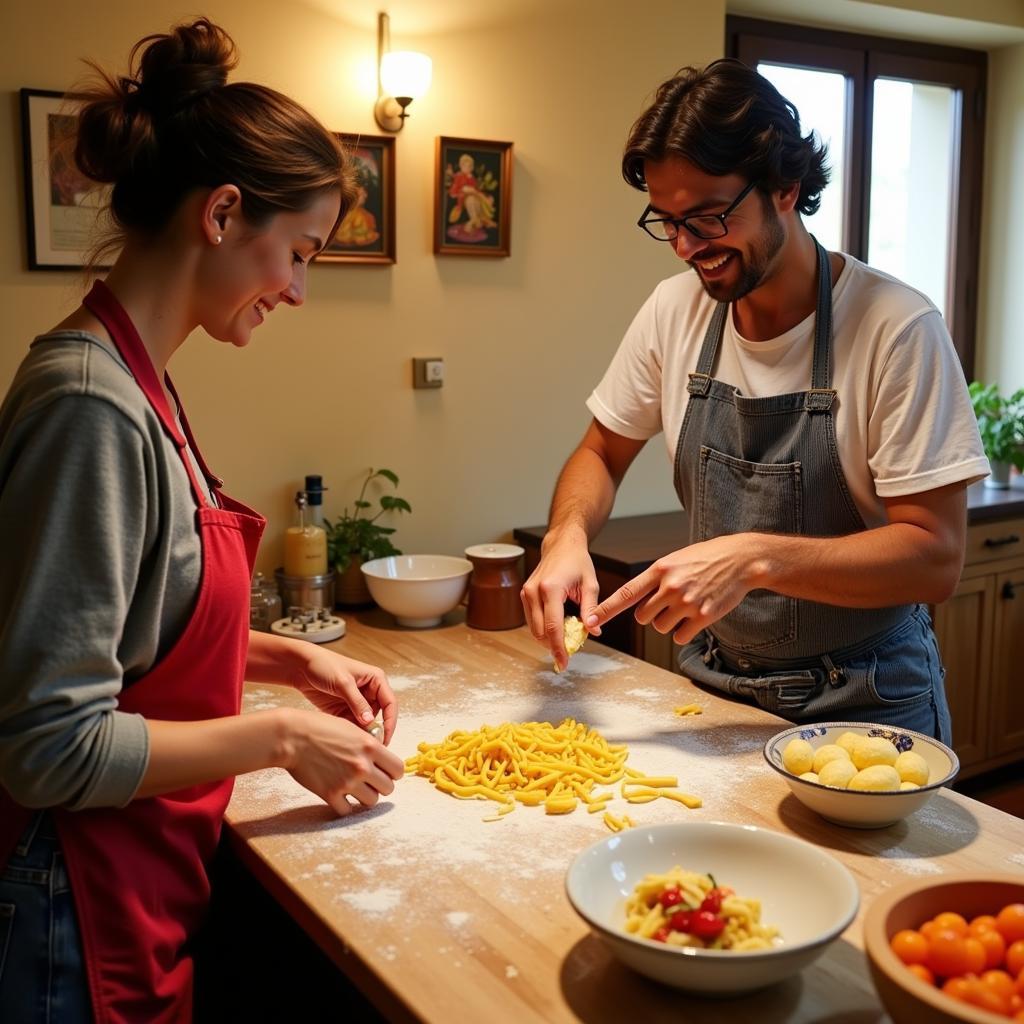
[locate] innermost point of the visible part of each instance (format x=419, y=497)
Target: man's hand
x=687, y=590
x=565, y=572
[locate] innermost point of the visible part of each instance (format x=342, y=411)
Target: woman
x=123, y=601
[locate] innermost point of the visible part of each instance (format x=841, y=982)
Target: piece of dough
x=876, y=777
x=829, y=752
x=574, y=633
x=837, y=773
x=798, y=757
x=912, y=767
x=848, y=741
x=872, y=750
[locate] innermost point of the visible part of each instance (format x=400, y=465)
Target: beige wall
x=1001, y=305
x=327, y=388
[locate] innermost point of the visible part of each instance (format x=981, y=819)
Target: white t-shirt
x=904, y=421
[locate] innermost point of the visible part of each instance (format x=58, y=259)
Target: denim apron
x=771, y=465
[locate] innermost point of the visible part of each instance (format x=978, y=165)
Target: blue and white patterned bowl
x=854, y=808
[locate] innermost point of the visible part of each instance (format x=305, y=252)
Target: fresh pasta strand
x=689, y=709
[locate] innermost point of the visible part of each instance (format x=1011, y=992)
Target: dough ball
x=798, y=757
x=829, y=752
x=909, y=785
x=837, y=773
x=872, y=750
x=876, y=777
x=809, y=776
x=848, y=741
x=912, y=767
x=573, y=634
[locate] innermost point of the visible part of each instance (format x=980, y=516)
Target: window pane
x=912, y=151
x=820, y=99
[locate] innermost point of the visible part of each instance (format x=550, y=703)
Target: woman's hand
x=346, y=688
x=337, y=759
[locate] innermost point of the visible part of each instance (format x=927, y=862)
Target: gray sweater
x=99, y=570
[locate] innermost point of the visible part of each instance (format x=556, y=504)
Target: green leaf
x=362, y=504
x=387, y=473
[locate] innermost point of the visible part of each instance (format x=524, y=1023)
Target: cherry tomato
x=1010, y=922
x=999, y=981
x=1016, y=1002
x=948, y=955
x=713, y=901
x=682, y=922
x=994, y=945
x=1015, y=957
x=982, y=923
x=910, y=946
x=1018, y=1017
x=958, y=988
x=670, y=897
x=928, y=929
x=975, y=953
x=922, y=972
x=661, y=934
x=989, y=999
x=1020, y=982
x=954, y=922
x=707, y=925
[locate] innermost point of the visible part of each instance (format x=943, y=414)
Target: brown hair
x=174, y=124
x=728, y=119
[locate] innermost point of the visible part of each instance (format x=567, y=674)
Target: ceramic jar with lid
x=494, y=586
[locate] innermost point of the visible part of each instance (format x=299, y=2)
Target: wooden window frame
x=863, y=59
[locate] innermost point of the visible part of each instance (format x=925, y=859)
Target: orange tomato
x=958, y=988
x=910, y=946
x=953, y=921
x=986, y=998
x=1015, y=957
x=999, y=981
x=974, y=952
x=947, y=953
x=1018, y=1017
x=1010, y=922
x=995, y=947
x=928, y=929
x=922, y=972
x=982, y=923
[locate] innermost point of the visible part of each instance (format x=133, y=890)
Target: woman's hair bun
x=169, y=72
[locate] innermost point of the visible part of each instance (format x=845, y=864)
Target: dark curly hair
x=728, y=119
x=174, y=124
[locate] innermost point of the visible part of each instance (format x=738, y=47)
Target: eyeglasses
x=700, y=225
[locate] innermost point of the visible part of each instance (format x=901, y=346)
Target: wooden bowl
x=908, y=999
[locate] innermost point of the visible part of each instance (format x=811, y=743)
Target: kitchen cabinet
x=980, y=628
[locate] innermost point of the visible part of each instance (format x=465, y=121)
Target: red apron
x=138, y=873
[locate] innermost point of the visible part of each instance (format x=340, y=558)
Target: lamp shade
x=405, y=73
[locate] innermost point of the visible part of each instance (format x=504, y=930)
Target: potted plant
x=356, y=537
x=1001, y=424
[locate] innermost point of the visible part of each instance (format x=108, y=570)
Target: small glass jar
x=264, y=604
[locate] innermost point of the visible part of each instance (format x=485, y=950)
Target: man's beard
x=755, y=267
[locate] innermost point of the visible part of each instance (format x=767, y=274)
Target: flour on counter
x=457, y=918
x=511, y=972
x=379, y=901
x=912, y=865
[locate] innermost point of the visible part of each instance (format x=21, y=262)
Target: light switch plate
x=428, y=372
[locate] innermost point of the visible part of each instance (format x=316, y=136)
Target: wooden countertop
x=629, y=544
x=441, y=917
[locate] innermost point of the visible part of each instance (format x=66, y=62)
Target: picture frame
x=367, y=234
x=63, y=208
x=472, y=197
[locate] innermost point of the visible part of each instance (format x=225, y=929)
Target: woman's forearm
x=183, y=754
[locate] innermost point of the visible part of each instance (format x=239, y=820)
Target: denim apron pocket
x=738, y=496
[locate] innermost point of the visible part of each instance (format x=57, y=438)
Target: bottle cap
x=314, y=489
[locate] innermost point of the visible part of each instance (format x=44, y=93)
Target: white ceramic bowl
x=852, y=807
x=417, y=589
x=804, y=891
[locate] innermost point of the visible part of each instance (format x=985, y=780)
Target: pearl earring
x=217, y=240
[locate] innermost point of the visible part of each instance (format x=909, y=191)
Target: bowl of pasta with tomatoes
x=712, y=907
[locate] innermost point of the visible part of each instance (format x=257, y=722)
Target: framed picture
x=367, y=234
x=63, y=208
x=472, y=197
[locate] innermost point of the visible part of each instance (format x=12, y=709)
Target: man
x=818, y=423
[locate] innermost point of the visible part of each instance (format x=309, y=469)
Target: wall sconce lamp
x=402, y=76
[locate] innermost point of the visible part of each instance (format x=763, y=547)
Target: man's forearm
x=584, y=496
x=895, y=564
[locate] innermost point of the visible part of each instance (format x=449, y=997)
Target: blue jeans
x=42, y=969
x=898, y=681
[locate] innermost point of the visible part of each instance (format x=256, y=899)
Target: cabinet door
x=1007, y=707
x=963, y=625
